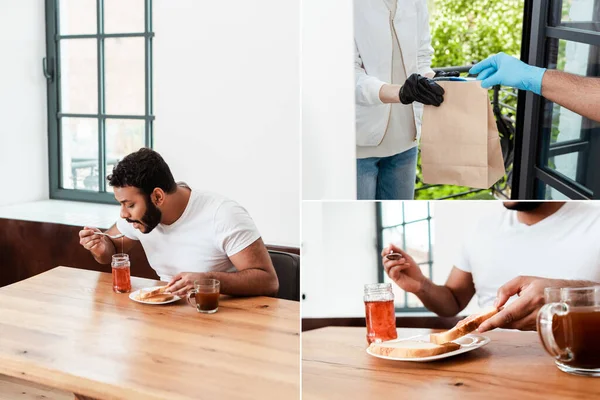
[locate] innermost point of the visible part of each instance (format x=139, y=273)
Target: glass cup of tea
x=569, y=328
x=205, y=295
x=121, y=273
x=380, y=313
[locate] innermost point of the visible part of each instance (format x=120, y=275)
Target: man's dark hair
x=146, y=170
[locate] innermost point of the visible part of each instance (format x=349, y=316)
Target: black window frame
x=380, y=245
x=51, y=66
x=531, y=176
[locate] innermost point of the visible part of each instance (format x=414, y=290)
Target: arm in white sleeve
x=425, y=51
x=367, y=87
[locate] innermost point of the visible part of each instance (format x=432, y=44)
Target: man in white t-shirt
x=519, y=251
x=186, y=234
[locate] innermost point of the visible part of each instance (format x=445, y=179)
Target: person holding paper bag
x=579, y=94
x=393, y=80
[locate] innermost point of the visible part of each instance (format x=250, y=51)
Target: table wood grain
x=17, y=389
x=66, y=329
x=513, y=365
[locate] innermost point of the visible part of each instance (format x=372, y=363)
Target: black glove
x=446, y=74
x=421, y=89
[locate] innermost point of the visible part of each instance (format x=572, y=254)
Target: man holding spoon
x=186, y=234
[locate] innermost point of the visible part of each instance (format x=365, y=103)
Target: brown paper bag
x=459, y=139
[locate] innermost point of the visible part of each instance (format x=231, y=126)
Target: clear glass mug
x=206, y=294
x=569, y=328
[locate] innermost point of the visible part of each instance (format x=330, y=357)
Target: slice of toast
x=411, y=348
x=463, y=327
x=159, y=298
x=152, y=293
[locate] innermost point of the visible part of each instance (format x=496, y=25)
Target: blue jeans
x=387, y=178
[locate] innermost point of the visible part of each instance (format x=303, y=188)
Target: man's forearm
x=579, y=94
x=249, y=282
x=106, y=257
x=390, y=93
x=438, y=299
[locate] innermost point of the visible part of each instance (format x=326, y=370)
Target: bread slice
x=152, y=293
x=159, y=298
x=463, y=327
x=411, y=348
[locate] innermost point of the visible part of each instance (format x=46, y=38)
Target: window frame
x=51, y=65
x=380, y=245
x=529, y=168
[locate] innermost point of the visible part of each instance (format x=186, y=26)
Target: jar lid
x=378, y=287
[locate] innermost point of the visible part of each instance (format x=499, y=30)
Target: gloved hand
x=421, y=89
x=446, y=74
x=502, y=69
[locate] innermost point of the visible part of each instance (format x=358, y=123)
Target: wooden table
x=66, y=329
x=512, y=366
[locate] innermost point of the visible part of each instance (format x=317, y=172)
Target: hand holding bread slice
x=464, y=327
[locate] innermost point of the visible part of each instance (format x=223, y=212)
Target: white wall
x=339, y=250
x=23, y=127
x=328, y=132
x=339, y=247
x=227, y=101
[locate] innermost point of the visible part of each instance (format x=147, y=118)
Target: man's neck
x=544, y=211
x=175, y=205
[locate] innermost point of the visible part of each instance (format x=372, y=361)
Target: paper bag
x=459, y=139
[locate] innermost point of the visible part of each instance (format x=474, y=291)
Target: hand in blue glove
x=502, y=69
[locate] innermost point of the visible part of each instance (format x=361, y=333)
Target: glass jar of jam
x=121, y=273
x=380, y=313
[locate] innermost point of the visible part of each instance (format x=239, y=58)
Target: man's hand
x=422, y=90
x=502, y=69
x=404, y=272
x=522, y=313
x=183, y=282
x=98, y=245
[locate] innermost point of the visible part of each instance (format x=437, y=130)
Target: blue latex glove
x=502, y=69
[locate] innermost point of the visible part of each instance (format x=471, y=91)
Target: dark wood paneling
x=29, y=248
x=401, y=322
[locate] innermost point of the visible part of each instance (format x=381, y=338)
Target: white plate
x=467, y=343
x=133, y=294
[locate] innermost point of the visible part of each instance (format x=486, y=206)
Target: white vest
x=373, y=60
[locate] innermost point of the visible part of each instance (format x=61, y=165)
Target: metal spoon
x=119, y=236
x=393, y=256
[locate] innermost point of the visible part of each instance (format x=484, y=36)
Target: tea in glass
x=569, y=328
x=206, y=294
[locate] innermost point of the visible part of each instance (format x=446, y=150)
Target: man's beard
x=523, y=205
x=151, y=217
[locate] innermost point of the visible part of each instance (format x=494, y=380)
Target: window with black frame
x=99, y=71
x=565, y=35
x=408, y=225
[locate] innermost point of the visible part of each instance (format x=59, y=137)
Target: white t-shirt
x=564, y=245
x=210, y=230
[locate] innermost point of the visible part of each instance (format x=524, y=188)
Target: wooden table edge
x=76, y=384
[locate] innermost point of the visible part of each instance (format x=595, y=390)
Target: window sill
x=73, y=213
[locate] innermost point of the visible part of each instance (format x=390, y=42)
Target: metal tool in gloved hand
x=421, y=89
x=446, y=74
